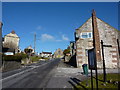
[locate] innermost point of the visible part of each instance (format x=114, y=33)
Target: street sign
x=91, y=59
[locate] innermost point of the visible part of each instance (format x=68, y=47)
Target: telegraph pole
x=34, y=41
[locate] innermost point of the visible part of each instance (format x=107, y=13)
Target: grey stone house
x=84, y=42
x=58, y=53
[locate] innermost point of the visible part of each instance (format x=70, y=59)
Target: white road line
x=23, y=71
x=16, y=74
x=65, y=86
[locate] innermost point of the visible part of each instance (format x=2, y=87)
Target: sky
x=53, y=22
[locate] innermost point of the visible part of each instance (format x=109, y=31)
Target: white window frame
x=87, y=33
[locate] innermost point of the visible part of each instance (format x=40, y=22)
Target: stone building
x=11, y=40
x=84, y=42
x=58, y=53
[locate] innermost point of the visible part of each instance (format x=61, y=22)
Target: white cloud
x=65, y=38
x=47, y=37
x=39, y=28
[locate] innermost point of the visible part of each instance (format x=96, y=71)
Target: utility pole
x=34, y=41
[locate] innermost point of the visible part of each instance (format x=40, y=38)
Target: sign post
x=104, y=69
x=91, y=63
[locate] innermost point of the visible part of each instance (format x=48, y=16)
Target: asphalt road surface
x=32, y=76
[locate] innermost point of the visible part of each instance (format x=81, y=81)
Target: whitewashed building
x=11, y=40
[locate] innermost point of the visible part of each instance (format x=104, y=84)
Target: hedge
x=16, y=57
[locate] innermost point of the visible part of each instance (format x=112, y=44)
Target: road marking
x=23, y=71
x=16, y=74
x=65, y=86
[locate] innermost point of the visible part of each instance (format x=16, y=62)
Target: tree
x=66, y=51
x=28, y=51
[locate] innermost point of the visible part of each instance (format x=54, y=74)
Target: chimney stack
x=96, y=38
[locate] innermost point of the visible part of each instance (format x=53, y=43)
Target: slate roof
x=47, y=52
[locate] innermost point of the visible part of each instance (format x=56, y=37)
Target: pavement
x=67, y=77
x=63, y=76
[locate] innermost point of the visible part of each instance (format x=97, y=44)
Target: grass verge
x=113, y=80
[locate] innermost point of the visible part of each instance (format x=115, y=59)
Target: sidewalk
x=65, y=75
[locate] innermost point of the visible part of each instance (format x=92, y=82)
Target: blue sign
x=91, y=59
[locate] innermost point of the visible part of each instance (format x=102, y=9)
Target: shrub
x=22, y=55
x=12, y=57
x=16, y=57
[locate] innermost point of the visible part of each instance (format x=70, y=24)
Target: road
x=32, y=76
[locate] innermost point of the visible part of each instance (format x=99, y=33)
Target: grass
x=111, y=79
x=35, y=58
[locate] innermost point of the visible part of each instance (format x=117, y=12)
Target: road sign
x=91, y=59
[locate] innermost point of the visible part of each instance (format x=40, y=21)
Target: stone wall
x=109, y=35
x=10, y=65
x=83, y=44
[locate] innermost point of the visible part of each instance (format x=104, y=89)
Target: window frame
x=89, y=34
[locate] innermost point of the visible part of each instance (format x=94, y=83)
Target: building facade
x=58, y=53
x=11, y=40
x=84, y=42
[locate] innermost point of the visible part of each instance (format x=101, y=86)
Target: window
x=86, y=35
x=90, y=35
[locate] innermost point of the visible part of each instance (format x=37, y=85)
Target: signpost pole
x=96, y=74
x=104, y=71
x=91, y=80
